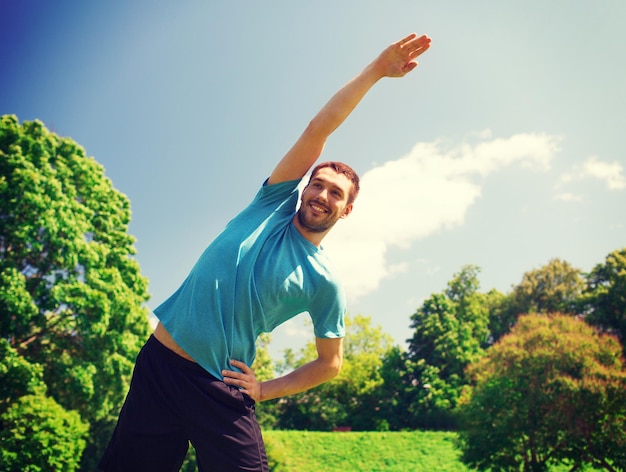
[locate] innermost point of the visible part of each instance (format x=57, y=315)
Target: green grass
x=304, y=451
x=415, y=451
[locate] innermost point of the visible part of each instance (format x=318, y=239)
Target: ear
x=347, y=211
x=306, y=187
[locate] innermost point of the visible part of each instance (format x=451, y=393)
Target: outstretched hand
x=398, y=59
x=245, y=380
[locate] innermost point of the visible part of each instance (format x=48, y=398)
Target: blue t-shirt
x=258, y=273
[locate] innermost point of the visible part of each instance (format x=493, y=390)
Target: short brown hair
x=344, y=169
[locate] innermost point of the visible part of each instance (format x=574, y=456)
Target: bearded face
x=324, y=202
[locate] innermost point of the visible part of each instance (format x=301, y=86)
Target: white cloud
x=610, y=172
x=427, y=191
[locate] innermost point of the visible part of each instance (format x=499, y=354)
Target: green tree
x=71, y=294
x=605, y=295
x=365, y=349
x=18, y=377
x=450, y=332
x=396, y=393
x=263, y=366
x=554, y=288
x=265, y=369
x=39, y=435
x=352, y=398
x=552, y=391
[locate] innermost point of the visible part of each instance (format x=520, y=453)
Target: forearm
x=343, y=102
x=304, y=378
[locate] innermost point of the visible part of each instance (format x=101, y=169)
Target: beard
x=316, y=225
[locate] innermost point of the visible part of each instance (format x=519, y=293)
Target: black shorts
x=173, y=401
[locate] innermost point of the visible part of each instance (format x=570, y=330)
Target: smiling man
x=329, y=196
x=192, y=380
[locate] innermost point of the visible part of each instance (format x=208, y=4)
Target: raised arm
x=397, y=60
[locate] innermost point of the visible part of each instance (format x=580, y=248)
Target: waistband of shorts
x=164, y=351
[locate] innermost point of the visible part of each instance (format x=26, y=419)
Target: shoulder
x=277, y=191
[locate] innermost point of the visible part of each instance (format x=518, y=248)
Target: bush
x=39, y=435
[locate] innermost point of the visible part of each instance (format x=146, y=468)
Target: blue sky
x=504, y=149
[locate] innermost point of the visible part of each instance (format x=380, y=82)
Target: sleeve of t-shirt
x=327, y=312
x=281, y=198
x=270, y=195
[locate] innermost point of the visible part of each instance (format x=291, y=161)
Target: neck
x=314, y=237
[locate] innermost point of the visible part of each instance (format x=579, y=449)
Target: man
x=192, y=380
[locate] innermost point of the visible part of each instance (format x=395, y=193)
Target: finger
x=230, y=381
x=237, y=381
x=241, y=365
x=232, y=374
x=419, y=52
x=237, y=385
x=419, y=45
x=410, y=66
x=403, y=41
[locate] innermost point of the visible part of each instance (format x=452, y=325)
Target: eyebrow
x=333, y=186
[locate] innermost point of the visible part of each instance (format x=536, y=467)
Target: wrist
x=375, y=71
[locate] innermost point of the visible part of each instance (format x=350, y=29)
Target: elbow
x=334, y=367
x=318, y=128
x=328, y=369
x=329, y=358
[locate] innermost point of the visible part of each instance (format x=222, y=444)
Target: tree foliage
x=71, y=294
x=18, y=377
x=450, y=332
x=353, y=397
x=605, y=296
x=265, y=369
x=552, y=391
x=553, y=288
x=39, y=435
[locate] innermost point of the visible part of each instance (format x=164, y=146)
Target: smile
x=318, y=208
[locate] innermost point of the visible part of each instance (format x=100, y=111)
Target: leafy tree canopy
x=553, y=288
x=605, y=296
x=552, y=391
x=71, y=294
x=40, y=435
x=451, y=330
